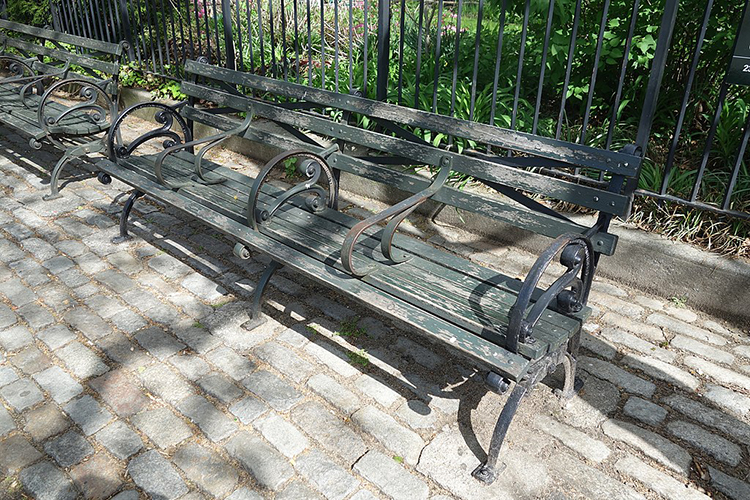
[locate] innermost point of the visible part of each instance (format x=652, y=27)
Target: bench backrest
x=97, y=58
x=298, y=107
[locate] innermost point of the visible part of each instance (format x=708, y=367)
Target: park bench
x=518, y=329
x=58, y=88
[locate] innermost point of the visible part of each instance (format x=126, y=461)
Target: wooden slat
x=511, y=365
x=61, y=55
x=532, y=182
x=492, y=207
x=78, y=41
x=577, y=154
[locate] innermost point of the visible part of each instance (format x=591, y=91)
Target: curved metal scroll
x=399, y=212
x=95, y=108
x=312, y=166
x=577, y=255
x=210, y=142
x=21, y=72
x=165, y=115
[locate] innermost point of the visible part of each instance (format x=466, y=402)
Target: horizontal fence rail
x=576, y=70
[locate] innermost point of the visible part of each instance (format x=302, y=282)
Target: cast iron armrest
x=577, y=255
x=399, y=212
x=210, y=142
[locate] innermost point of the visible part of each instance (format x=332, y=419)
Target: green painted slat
x=62, y=55
x=513, y=366
x=78, y=41
x=571, y=192
x=576, y=154
x=493, y=208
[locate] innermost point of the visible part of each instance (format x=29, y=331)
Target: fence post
x=384, y=44
x=226, y=17
x=126, y=31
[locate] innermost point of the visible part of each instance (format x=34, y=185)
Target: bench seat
x=447, y=296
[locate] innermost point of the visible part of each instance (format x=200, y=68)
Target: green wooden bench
x=516, y=329
x=58, y=88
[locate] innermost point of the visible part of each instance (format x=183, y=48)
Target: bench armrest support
x=210, y=142
x=96, y=107
x=397, y=213
x=164, y=115
x=577, y=255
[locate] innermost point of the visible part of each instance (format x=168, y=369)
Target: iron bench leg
x=256, y=318
x=488, y=471
x=124, y=215
x=55, y=176
x=572, y=384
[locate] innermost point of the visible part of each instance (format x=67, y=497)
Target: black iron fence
x=571, y=69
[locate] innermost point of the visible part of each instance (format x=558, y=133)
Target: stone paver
x=125, y=370
x=156, y=476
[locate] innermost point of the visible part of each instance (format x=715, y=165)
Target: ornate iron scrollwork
x=397, y=213
x=18, y=71
x=86, y=111
x=166, y=116
x=569, y=290
x=312, y=166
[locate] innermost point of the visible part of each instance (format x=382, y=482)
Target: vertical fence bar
x=336, y=44
x=384, y=49
x=568, y=67
x=322, y=45
x=419, y=54
x=402, y=27
x=456, y=50
x=226, y=21
x=498, y=58
x=366, y=48
x=351, y=46
x=438, y=43
x=519, y=72
x=127, y=32
x=284, y=58
x=709, y=141
x=477, y=44
x=594, y=72
x=542, y=69
x=274, y=67
x=737, y=165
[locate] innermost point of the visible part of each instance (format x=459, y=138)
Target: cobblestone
x=97, y=478
x=701, y=349
x=617, y=376
x=68, y=449
x=120, y=440
x=721, y=374
x=330, y=478
x=730, y=486
x=87, y=322
x=166, y=384
x=192, y=367
x=162, y=427
x=231, y=363
x=678, y=326
x=332, y=357
x=44, y=481
x=329, y=431
x=657, y=481
x=335, y=393
x=15, y=338
x=22, y=394
x=88, y=414
x=285, y=360
x=651, y=444
x=274, y=391
x=56, y=336
x=714, y=445
x=158, y=343
x=298, y=491
x=214, y=424
x=663, y=371
x=637, y=344
x=7, y=316
x=589, y=448
x=81, y=360
x=269, y=468
x=207, y=469
x=392, y=479
x=373, y=388
x=6, y=422
x=31, y=360
x=156, y=476
x=728, y=399
x=710, y=417
x=645, y=411
x=15, y=454
x=248, y=409
x=36, y=316
x=58, y=384
x=400, y=440
x=282, y=435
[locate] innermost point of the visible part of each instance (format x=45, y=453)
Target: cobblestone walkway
x=124, y=371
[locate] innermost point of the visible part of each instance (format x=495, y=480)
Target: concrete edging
x=712, y=283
